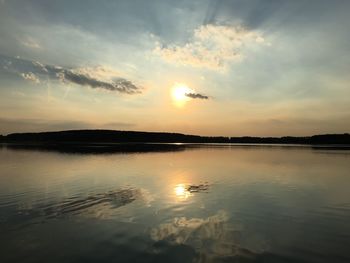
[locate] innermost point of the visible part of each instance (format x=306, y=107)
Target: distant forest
x=111, y=136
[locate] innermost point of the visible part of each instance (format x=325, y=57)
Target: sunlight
x=181, y=192
x=178, y=93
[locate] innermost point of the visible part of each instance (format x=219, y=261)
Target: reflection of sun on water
x=181, y=191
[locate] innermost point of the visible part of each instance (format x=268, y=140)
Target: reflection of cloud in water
x=100, y=204
x=181, y=230
x=210, y=237
x=193, y=188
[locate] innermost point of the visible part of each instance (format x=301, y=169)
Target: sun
x=178, y=94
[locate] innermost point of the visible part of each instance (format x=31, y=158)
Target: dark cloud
x=118, y=84
x=33, y=70
x=197, y=96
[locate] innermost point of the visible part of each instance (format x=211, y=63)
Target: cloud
x=31, y=43
x=31, y=77
x=196, y=96
x=94, y=77
x=211, y=46
x=117, y=84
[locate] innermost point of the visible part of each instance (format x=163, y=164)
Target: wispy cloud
x=30, y=42
x=94, y=77
x=211, y=46
x=31, y=77
x=117, y=84
x=196, y=96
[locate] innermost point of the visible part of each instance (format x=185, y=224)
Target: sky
x=206, y=67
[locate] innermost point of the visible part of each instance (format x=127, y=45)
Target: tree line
x=114, y=136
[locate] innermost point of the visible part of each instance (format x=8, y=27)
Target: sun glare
x=179, y=92
x=181, y=191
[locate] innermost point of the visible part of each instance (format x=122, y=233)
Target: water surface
x=182, y=204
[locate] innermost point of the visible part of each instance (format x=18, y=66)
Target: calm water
x=201, y=204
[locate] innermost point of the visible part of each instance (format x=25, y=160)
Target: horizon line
x=178, y=133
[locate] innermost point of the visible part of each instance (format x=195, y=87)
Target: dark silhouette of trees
x=111, y=136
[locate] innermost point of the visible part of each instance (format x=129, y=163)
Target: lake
x=187, y=203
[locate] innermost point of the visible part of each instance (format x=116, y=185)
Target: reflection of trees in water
x=211, y=237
